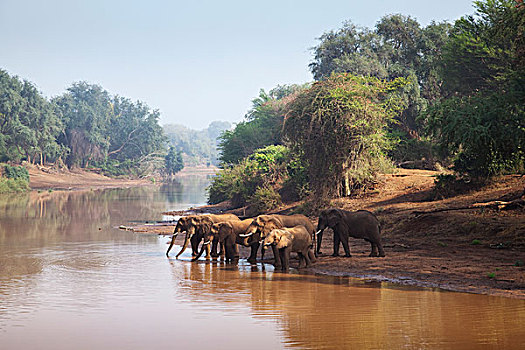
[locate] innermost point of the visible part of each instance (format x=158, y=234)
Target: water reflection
x=70, y=279
x=330, y=312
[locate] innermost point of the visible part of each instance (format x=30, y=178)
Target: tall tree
x=87, y=113
x=482, y=121
x=338, y=127
x=261, y=126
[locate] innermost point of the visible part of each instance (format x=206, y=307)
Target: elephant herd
x=284, y=234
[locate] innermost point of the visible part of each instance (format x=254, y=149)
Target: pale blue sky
x=195, y=61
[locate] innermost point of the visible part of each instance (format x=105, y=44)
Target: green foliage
x=16, y=172
x=173, y=161
x=338, y=128
x=14, y=179
x=482, y=123
x=491, y=275
x=264, y=199
x=261, y=127
x=397, y=47
x=254, y=180
x=475, y=242
x=29, y=124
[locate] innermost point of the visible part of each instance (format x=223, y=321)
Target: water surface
x=69, y=279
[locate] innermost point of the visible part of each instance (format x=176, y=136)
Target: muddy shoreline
x=473, y=250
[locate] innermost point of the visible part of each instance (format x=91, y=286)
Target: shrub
x=265, y=198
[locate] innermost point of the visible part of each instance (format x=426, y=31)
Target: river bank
x=46, y=178
x=448, y=243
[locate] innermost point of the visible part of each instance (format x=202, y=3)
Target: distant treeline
x=397, y=93
x=84, y=127
x=199, y=147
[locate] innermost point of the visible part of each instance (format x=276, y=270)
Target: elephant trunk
x=201, y=251
x=319, y=241
x=185, y=245
x=172, y=242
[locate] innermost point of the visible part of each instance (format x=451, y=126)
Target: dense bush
x=338, y=129
x=258, y=179
x=15, y=179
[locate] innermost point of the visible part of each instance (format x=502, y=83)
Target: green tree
x=261, y=126
x=173, y=161
x=29, y=124
x=338, y=127
x=87, y=113
x=482, y=121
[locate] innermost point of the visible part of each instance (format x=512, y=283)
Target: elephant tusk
x=246, y=234
x=318, y=232
x=206, y=243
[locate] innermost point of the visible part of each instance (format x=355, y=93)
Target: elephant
x=181, y=227
x=358, y=224
x=227, y=234
x=262, y=225
x=195, y=227
x=286, y=240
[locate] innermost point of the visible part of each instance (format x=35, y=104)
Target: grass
x=475, y=242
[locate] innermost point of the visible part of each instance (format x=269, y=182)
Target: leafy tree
x=87, y=113
x=29, y=124
x=397, y=47
x=482, y=122
x=173, y=161
x=338, y=127
x=261, y=127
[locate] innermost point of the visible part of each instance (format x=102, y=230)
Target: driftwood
x=498, y=205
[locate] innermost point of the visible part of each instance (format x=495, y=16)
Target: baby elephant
x=295, y=239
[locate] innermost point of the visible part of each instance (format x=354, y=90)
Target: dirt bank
x=43, y=178
x=477, y=250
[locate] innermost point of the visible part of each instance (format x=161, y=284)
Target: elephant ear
x=285, y=239
x=333, y=217
x=271, y=224
x=206, y=225
x=225, y=230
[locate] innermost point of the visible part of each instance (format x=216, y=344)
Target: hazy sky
x=195, y=61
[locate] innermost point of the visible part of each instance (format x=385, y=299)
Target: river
x=70, y=279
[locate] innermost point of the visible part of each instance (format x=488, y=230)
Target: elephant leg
x=307, y=258
x=380, y=247
x=277, y=261
x=286, y=258
x=214, y=245
x=374, y=249
x=194, y=245
x=253, y=253
x=208, y=252
x=311, y=256
x=235, y=257
x=337, y=241
x=344, y=240
x=302, y=261
x=221, y=251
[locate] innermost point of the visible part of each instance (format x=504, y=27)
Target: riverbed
x=70, y=279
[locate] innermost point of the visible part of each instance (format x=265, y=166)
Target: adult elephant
x=287, y=240
x=181, y=227
x=358, y=224
x=195, y=227
x=262, y=225
x=227, y=235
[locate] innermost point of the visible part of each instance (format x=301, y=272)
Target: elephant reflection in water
x=312, y=311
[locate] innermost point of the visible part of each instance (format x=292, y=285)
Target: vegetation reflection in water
x=70, y=279
x=336, y=312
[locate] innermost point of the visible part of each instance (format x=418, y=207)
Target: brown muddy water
x=69, y=279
